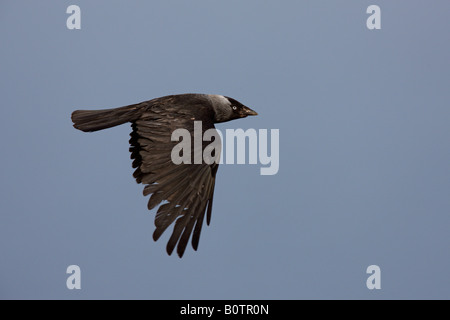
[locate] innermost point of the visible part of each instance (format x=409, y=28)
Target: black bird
x=186, y=189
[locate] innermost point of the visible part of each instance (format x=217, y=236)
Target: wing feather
x=186, y=189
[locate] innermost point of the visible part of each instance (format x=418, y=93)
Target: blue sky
x=363, y=179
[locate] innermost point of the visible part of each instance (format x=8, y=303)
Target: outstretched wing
x=185, y=190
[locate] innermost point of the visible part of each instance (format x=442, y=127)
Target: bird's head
x=226, y=109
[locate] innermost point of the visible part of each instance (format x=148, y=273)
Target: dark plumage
x=186, y=189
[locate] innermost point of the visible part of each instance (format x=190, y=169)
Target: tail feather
x=94, y=120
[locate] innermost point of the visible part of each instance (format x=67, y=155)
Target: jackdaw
x=185, y=190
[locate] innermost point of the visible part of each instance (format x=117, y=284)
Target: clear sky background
x=364, y=173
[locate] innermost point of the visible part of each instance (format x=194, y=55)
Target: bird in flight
x=184, y=192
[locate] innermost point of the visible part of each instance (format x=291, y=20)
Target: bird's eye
x=234, y=107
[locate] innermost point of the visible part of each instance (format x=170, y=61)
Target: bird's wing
x=186, y=190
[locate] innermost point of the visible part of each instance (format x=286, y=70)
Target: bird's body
x=186, y=189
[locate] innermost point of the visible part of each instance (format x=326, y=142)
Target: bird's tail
x=94, y=120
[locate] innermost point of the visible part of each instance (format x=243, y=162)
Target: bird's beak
x=246, y=111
